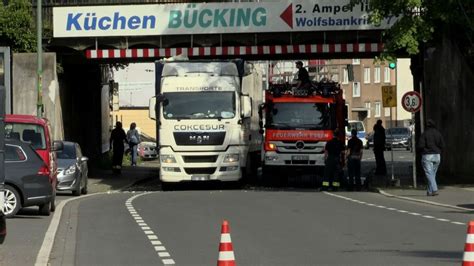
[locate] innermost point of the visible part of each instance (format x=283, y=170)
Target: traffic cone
x=468, y=258
x=226, y=251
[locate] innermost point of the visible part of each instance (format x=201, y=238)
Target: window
x=14, y=153
x=367, y=105
x=366, y=75
x=377, y=109
x=376, y=74
x=345, y=76
x=356, y=61
x=356, y=89
x=386, y=76
x=387, y=111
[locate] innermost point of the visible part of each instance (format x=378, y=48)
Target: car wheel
x=53, y=201
x=45, y=209
x=12, y=201
x=77, y=191
x=84, y=189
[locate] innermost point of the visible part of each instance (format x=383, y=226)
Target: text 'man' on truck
x=207, y=122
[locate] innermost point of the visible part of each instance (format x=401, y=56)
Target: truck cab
x=204, y=120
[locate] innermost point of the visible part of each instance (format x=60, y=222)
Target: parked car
x=398, y=137
x=369, y=140
x=72, y=169
x=147, y=150
x=27, y=179
x=359, y=126
x=37, y=131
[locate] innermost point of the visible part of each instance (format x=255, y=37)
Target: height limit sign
x=411, y=101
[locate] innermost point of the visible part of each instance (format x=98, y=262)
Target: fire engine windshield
x=199, y=105
x=299, y=115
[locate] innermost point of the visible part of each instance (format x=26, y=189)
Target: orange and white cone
x=468, y=258
x=226, y=251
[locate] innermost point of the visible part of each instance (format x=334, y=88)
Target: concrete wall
x=448, y=96
x=24, y=89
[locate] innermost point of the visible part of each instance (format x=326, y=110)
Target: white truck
x=207, y=119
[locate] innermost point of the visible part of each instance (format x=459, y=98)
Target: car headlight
x=231, y=158
x=167, y=159
x=70, y=170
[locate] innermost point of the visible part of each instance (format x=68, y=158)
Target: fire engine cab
x=296, y=124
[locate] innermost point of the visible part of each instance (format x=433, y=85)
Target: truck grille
x=199, y=138
x=200, y=171
x=200, y=159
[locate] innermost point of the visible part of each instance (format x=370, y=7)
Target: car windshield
x=199, y=105
x=299, y=115
x=68, y=152
x=397, y=131
x=27, y=132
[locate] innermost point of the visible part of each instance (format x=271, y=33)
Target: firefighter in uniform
x=333, y=163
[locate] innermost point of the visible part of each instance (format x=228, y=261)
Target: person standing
x=332, y=162
x=117, y=140
x=379, y=148
x=133, y=138
x=354, y=157
x=431, y=144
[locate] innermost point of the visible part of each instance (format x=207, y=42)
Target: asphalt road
x=267, y=228
x=283, y=226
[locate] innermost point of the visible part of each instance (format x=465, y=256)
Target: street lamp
x=39, y=53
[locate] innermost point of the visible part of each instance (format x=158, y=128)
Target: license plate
x=300, y=157
x=199, y=177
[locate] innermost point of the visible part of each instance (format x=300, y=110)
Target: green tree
x=424, y=21
x=16, y=25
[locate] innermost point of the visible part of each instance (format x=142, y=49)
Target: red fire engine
x=297, y=123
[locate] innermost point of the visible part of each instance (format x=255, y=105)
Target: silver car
x=72, y=169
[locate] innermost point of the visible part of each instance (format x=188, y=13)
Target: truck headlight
x=167, y=159
x=231, y=158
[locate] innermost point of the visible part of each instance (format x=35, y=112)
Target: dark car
x=398, y=137
x=72, y=169
x=27, y=179
x=370, y=140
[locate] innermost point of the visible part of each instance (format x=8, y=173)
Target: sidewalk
x=455, y=197
x=106, y=181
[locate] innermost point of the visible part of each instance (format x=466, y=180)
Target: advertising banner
x=212, y=18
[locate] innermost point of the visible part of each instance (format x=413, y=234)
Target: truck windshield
x=299, y=115
x=199, y=105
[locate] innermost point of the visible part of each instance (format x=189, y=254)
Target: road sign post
x=411, y=102
x=389, y=99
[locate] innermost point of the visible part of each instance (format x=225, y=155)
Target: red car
x=30, y=128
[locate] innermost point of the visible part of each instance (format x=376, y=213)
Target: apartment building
x=363, y=95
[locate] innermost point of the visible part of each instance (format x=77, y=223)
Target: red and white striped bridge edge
x=236, y=50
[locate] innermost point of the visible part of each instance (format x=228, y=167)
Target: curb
x=380, y=191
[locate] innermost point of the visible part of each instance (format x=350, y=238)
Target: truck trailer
x=206, y=114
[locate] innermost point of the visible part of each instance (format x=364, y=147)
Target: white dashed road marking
x=393, y=209
x=157, y=245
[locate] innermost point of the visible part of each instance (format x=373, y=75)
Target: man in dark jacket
x=332, y=158
x=117, y=141
x=430, y=145
x=354, y=157
x=303, y=76
x=379, y=148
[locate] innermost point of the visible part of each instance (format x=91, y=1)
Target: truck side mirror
x=246, y=106
x=152, y=108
